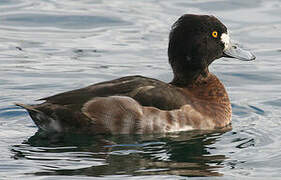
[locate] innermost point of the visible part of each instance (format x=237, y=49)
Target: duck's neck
x=203, y=85
x=187, y=78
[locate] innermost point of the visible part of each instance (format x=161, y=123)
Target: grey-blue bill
x=234, y=51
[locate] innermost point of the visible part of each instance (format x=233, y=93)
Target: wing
x=147, y=91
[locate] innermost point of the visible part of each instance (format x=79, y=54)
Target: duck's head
x=195, y=42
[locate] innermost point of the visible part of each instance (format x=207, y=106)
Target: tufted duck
x=194, y=99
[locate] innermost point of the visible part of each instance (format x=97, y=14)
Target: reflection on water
x=184, y=154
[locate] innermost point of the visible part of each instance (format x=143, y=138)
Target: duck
x=195, y=99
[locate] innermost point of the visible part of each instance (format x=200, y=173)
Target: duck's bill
x=234, y=51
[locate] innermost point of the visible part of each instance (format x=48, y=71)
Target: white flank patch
x=176, y=128
x=226, y=40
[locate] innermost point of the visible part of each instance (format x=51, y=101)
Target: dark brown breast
x=209, y=97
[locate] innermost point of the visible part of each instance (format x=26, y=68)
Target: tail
x=42, y=121
x=29, y=108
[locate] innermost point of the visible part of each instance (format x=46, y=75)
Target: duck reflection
x=183, y=154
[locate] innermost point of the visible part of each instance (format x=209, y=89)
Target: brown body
x=203, y=104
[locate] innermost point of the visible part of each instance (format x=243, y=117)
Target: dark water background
x=49, y=46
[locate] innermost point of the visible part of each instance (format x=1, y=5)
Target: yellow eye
x=215, y=34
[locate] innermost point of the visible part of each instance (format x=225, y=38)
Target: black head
x=195, y=42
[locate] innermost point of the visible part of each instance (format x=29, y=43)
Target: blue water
x=49, y=46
